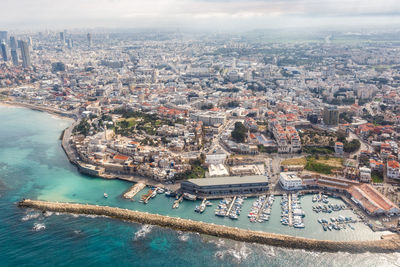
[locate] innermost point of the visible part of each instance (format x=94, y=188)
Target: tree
x=239, y=133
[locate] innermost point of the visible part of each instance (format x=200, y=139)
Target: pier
x=388, y=243
x=134, y=190
x=290, y=210
x=262, y=207
x=230, y=206
x=177, y=202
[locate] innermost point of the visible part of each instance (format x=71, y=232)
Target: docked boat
x=188, y=196
x=299, y=225
x=208, y=204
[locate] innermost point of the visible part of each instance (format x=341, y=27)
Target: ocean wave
x=146, y=229
x=30, y=216
x=237, y=255
x=47, y=213
x=184, y=237
x=38, y=227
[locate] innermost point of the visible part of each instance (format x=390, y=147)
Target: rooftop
x=230, y=180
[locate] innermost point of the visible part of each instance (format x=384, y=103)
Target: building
x=290, y=181
x=226, y=186
x=393, y=169
x=26, y=57
x=4, y=51
x=14, y=57
x=89, y=39
x=331, y=115
x=62, y=38
x=209, y=117
x=339, y=148
x=365, y=175
x=3, y=36
x=373, y=202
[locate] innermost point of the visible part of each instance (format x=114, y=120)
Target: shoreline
x=59, y=114
x=387, y=243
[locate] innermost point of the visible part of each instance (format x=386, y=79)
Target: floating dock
x=134, y=190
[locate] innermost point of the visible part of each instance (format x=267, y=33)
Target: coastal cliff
x=389, y=244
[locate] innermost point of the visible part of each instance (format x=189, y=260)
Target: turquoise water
x=33, y=165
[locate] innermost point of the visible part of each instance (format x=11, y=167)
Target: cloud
x=160, y=13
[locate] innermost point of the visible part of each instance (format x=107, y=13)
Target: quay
x=388, y=243
x=134, y=190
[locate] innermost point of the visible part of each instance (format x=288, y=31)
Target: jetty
x=230, y=206
x=134, y=190
x=290, y=210
x=177, y=202
x=388, y=243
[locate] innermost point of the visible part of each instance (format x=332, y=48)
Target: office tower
x=30, y=41
x=14, y=53
x=331, y=115
x=62, y=38
x=14, y=56
x=26, y=58
x=69, y=43
x=89, y=39
x=4, y=51
x=13, y=43
x=3, y=36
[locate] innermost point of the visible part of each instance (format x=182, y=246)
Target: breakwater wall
x=390, y=243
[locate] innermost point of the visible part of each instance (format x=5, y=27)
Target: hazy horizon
x=228, y=15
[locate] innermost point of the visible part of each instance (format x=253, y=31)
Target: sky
x=201, y=14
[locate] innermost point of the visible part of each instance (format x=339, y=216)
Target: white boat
x=189, y=196
x=105, y=195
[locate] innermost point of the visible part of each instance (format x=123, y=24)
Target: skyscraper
x=14, y=57
x=26, y=58
x=89, y=39
x=4, y=51
x=62, y=38
x=13, y=43
x=14, y=53
x=3, y=36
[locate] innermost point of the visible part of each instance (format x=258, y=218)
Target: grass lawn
x=323, y=165
x=295, y=161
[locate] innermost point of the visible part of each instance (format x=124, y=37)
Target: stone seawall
x=389, y=244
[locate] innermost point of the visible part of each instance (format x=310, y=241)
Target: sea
x=33, y=165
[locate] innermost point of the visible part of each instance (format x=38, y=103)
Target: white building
x=393, y=169
x=365, y=174
x=290, y=181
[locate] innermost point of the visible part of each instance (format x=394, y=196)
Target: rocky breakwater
x=389, y=244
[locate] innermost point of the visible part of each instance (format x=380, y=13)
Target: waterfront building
x=226, y=186
x=290, y=181
x=331, y=115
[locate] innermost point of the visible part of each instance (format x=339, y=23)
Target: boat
x=105, y=195
x=160, y=190
x=299, y=225
x=208, y=204
x=188, y=196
